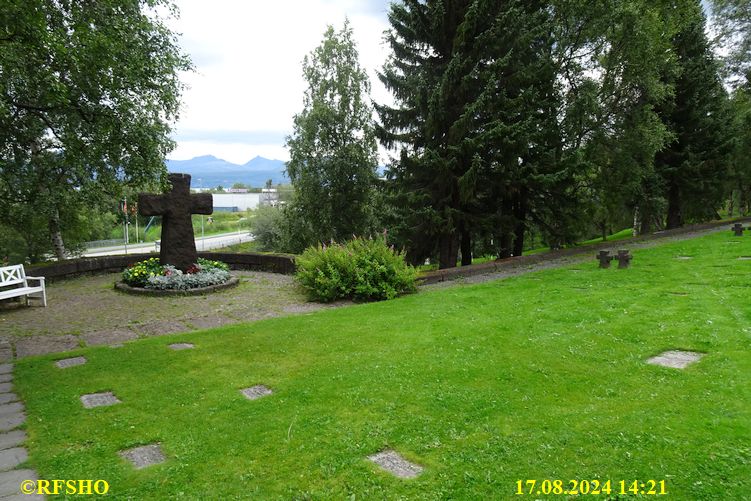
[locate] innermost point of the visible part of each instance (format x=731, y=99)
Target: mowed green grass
x=540, y=376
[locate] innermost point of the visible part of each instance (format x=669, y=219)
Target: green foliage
x=267, y=228
x=693, y=165
x=87, y=94
x=364, y=269
x=332, y=147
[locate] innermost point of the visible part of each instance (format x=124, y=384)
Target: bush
x=150, y=274
x=362, y=269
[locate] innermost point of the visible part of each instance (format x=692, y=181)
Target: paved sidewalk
x=12, y=452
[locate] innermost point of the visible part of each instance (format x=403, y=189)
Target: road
x=207, y=243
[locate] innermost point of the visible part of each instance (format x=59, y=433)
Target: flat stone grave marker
x=256, y=392
x=144, y=456
x=737, y=229
x=676, y=359
x=684, y=258
x=70, y=362
x=99, y=399
x=744, y=258
x=181, y=346
x=394, y=463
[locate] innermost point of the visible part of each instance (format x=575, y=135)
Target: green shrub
x=362, y=269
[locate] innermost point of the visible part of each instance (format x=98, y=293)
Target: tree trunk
x=731, y=203
x=742, y=201
x=520, y=213
x=57, y=236
x=675, y=219
x=636, y=229
x=447, y=250
x=466, y=246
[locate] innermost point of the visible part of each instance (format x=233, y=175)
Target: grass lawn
x=540, y=376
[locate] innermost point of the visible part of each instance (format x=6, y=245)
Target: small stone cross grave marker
x=624, y=259
x=178, y=246
x=604, y=258
x=738, y=229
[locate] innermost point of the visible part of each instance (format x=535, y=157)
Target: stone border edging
x=274, y=263
x=123, y=287
x=437, y=276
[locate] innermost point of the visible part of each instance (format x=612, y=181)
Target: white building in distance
x=235, y=202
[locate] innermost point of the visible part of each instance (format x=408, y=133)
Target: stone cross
x=738, y=229
x=624, y=259
x=605, y=258
x=178, y=245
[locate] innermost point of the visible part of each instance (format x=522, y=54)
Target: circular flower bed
x=151, y=276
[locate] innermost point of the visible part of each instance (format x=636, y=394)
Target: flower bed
x=152, y=275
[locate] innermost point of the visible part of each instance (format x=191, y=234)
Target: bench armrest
x=41, y=279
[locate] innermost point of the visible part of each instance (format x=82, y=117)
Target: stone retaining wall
x=274, y=263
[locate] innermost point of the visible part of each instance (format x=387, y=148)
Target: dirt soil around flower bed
x=88, y=311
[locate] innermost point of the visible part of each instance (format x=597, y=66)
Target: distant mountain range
x=208, y=171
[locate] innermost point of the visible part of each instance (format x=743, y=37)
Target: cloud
x=248, y=56
x=231, y=136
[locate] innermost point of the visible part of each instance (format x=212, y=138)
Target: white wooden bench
x=15, y=283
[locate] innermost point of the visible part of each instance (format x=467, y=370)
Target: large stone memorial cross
x=178, y=246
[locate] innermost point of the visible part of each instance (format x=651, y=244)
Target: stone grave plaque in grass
x=676, y=359
x=684, y=258
x=744, y=258
x=256, y=392
x=70, y=362
x=92, y=400
x=181, y=346
x=394, y=463
x=144, y=456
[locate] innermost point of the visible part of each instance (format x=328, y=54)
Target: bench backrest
x=11, y=275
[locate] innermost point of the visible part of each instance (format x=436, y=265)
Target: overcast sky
x=248, y=82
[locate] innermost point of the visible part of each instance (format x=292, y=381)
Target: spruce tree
x=693, y=166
